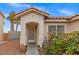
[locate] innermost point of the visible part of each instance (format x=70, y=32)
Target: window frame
x=56, y=28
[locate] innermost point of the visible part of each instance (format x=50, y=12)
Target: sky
x=54, y=9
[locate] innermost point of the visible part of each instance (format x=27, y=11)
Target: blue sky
x=54, y=9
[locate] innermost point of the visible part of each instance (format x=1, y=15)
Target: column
x=23, y=38
x=41, y=34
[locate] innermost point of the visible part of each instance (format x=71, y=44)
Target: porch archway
x=32, y=30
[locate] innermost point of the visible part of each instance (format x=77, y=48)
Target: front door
x=31, y=35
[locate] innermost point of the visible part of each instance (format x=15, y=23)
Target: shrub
x=67, y=43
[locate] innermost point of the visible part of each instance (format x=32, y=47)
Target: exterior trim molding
x=47, y=16
x=31, y=9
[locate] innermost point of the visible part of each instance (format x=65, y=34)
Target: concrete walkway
x=32, y=50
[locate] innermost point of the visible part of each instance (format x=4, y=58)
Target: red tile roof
x=48, y=17
x=33, y=9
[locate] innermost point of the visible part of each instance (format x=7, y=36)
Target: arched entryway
x=32, y=32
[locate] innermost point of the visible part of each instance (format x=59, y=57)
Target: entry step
x=31, y=41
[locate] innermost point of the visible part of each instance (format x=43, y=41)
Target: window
x=57, y=29
x=60, y=29
x=52, y=29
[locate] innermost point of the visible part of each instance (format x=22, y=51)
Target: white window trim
x=56, y=26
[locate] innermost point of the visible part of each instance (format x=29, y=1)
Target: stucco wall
x=1, y=27
x=14, y=35
x=74, y=25
x=32, y=17
x=69, y=26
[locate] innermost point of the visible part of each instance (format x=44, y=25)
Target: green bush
x=67, y=43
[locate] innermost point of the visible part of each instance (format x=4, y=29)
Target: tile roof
x=33, y=9
x=51, y=17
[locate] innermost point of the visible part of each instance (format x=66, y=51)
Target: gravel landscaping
x=10, y=47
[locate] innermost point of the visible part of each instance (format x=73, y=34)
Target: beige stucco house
x=36, y=24
x=1, y=26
